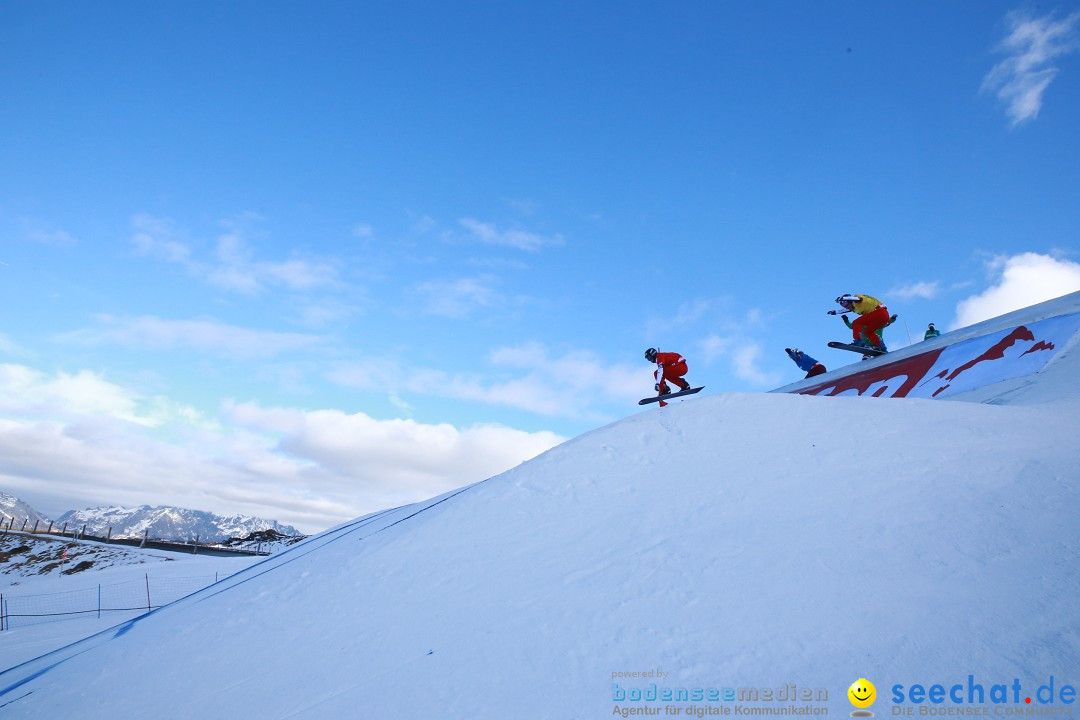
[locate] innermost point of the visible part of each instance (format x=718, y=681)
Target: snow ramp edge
x=1011, y=346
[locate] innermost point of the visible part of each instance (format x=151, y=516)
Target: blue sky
x=306, y=260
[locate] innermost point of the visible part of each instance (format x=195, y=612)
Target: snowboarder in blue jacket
x=805, y=362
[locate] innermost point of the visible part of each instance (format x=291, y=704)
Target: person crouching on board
x=873, y=316
x=669, y=366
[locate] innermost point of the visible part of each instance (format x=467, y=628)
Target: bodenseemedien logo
x=862, y=694
x=704, y=700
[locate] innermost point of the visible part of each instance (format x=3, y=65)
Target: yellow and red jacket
x=866, y=304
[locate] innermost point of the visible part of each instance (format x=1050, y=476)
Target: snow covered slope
x=33, y=579
x=733, y=541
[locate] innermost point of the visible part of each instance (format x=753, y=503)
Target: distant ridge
x=170, y=523
x=12, y=508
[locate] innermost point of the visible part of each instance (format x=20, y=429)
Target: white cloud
x=423, y=225
x=1019, y=281
x=209, y=336
x=921, y=290
x=10, y=347
x=234, y=279
x=83, y=438
x=297, y=274
x=692, y=312
x=399, y=459
x=232, y=265
x=693, y=315
x=489, y=234
x=239, y=271
x=458, y=298
x=565, y=385
x=25, y=391
x=747, y=361
x=1021, y=79
x=715, y=347
x=743, y=356
x=568, y=385
x=325, y=313
x=52, y=236
x=156, y=237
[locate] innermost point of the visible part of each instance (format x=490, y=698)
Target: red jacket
x=669, y=365
x=666, y=358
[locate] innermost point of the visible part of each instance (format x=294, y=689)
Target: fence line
x=144, y=594
x=77, y=534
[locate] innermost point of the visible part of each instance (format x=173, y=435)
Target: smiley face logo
x=862, y=693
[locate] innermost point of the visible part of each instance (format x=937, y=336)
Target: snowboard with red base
x=669, y=396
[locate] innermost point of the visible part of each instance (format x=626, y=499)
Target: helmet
x=650, y=354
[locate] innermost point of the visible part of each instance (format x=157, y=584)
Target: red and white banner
x=967, y=365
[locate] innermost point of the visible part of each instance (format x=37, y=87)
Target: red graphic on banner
x=997, y=352
x=907, y=373
x=1041, y=345
x=900, y=378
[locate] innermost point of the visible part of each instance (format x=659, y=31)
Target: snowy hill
x=24, y=555
x=758, y=552
x=262, y=541
x=169, y=523
x=48, y=585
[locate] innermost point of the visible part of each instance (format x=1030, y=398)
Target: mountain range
x=160, y=523
x=169, y=523
x=14, y=509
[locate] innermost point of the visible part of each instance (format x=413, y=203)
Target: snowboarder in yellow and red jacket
x=873, y=316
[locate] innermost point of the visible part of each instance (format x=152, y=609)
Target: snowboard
x=669, y=396
x=857, y=348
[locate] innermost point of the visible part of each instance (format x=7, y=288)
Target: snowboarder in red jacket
x=669, y=366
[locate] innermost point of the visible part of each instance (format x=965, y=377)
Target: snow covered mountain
x=12, y=508
x=730, y=554
x=168, y=523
